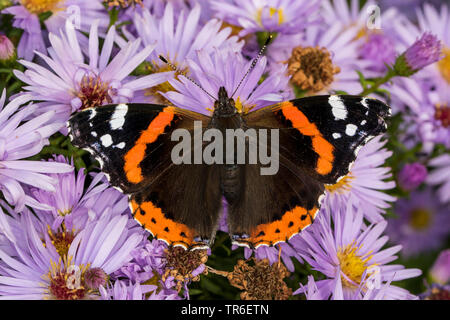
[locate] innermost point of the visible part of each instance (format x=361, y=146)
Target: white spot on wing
x=350, y=129
x=120, y=145
x=94, y=134
x=92, y=115
x=338, y=108
x=336, y=135
x=364, y=103
x=106, y=140
x=118, y=117
x=363, y=122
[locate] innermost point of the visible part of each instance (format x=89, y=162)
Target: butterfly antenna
x=174, y=68
x=254, y=62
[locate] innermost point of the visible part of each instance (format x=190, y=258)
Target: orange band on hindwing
x=135, y=155
x=321, y=146
x=153, y=219
x=282, y=230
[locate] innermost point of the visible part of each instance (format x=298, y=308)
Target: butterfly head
x=224, y=106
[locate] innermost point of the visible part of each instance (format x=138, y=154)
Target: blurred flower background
x=383, y=231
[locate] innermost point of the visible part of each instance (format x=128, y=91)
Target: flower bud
x=411, y=176
x=423, y=52
x=440, y=272
x=7, y=50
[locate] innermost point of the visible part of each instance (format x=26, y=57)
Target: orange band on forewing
x=321, y=146
x=290, y=224
x=135, y=155
x=153, y=219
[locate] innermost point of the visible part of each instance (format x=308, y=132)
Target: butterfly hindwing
x=273, y=208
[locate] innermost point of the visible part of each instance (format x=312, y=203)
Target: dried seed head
x=123, y=3
x=184, y=265
x=260, y=281
x=311, y=68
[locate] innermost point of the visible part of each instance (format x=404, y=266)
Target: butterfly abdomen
x=231, y=182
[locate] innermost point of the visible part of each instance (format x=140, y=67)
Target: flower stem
x=219, y=272
x=378, y=82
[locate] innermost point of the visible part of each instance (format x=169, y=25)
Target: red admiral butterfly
x=318, y=140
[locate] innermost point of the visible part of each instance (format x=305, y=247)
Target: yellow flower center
x=65, y=212
x=153, y=67
x=362, y=32
x=342, y=186
x=352, y=265
x=61, y=239
x=444, y=65
x=235, y=30
x=420, y=219
x=272, y=12
x=240, y=107
x=41, y=6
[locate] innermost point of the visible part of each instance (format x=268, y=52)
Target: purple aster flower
x=407, y=7
x=75, y=206
x=106, y=243
x=156, y=264
x=365, y=184
x=437, y=22
x=21, y=139
x=75, y=82
x=33, y=268
x=379, y=49
x=227, y=68
x=377, y=43
x=440, y=272
x=178, y=40
x=26, y=17
x=148, y=261
x=350, y=14
x=347, y=12
x=7, y=50
x=283, y=16
x=411, y=176
x=312, y=292
x=155, y=7
x=121, y=291
x=425, y=107
x=423, y=223
x=440, y=176
x=347, y=251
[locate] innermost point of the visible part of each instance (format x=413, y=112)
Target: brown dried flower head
x=181, y=264
x=260, y=281
x=311, y=68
